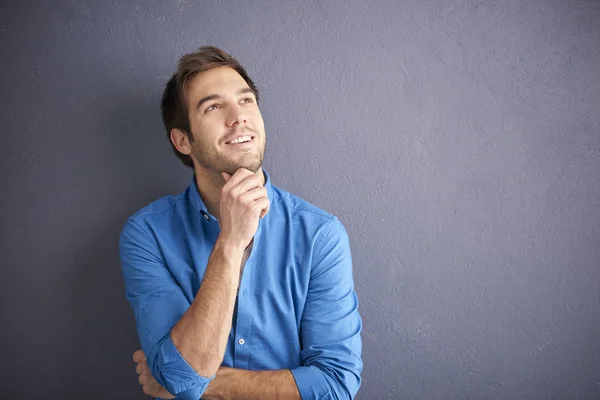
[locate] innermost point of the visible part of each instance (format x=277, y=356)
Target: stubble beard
x=215, y=163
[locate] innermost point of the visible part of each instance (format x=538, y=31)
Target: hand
x=150, y=386
x=243, y=201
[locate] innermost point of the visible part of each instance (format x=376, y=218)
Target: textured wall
x=459, y=142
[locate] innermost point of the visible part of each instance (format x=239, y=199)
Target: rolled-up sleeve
x=158, y=303
x=330, y=325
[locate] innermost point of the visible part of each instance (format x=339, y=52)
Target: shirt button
x=241, y=341
x=206, y=217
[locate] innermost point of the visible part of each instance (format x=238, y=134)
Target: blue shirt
x=296, y=308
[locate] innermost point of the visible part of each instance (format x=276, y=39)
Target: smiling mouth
x=241, y=139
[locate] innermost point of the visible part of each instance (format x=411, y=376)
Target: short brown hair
x=174, y=105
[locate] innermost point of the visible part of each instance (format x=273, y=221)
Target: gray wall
x=458, y=141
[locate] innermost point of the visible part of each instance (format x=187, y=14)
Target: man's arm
x=330, y=325
x=233, y=384
x=201, y=333
x=185, y=343
x=158, y=303
x=230, y=384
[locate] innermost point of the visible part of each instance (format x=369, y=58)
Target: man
x=240, y=290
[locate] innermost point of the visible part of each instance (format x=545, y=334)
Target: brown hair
x=174, y=106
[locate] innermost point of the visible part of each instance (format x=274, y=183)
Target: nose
x=236, y=115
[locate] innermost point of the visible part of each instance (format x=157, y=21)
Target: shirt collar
x=196, y=199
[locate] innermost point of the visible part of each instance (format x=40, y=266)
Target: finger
x=141, y=380
x=264, y=211
x=139, y=356
x=239, y=175
x=254, y=194
x=246, y=185
x=142, y=367
x=260, y=205
x=226, y=176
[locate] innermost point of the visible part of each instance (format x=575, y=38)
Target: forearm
x=201, y=333
x=240, y=384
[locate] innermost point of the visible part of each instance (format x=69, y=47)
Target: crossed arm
x=332, y=363
x=229, y=383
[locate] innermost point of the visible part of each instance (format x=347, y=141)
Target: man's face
x=225, y=121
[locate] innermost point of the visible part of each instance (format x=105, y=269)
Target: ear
x=181, y=141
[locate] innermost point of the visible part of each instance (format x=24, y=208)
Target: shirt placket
x=243, y=341
x=245, y=306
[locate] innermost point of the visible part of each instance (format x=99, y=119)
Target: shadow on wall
x=101, y=334
x=144, y=163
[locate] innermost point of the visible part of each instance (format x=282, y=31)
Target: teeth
x=241, y=139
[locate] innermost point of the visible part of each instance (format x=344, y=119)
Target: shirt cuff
x=311, y=383
x=178, y=377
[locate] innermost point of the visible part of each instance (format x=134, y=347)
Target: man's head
x=208, y=106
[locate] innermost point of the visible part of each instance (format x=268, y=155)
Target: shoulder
x=158, y=213
x=305, y=215
x=299, y=206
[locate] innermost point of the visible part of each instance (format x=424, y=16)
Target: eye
x=247, y=100
x=212, y=107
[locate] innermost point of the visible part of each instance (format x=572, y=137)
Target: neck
x=210, y=184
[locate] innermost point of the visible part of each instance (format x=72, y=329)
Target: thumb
x=226, y=176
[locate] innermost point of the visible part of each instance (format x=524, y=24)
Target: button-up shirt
x=296, y=307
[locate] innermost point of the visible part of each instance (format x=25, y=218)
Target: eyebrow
x=216, y=96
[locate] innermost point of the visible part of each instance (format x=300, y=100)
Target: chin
x=230, y=169
x=249, y=164
x=251, y=167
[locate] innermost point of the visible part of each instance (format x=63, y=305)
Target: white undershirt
x=245, y=256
